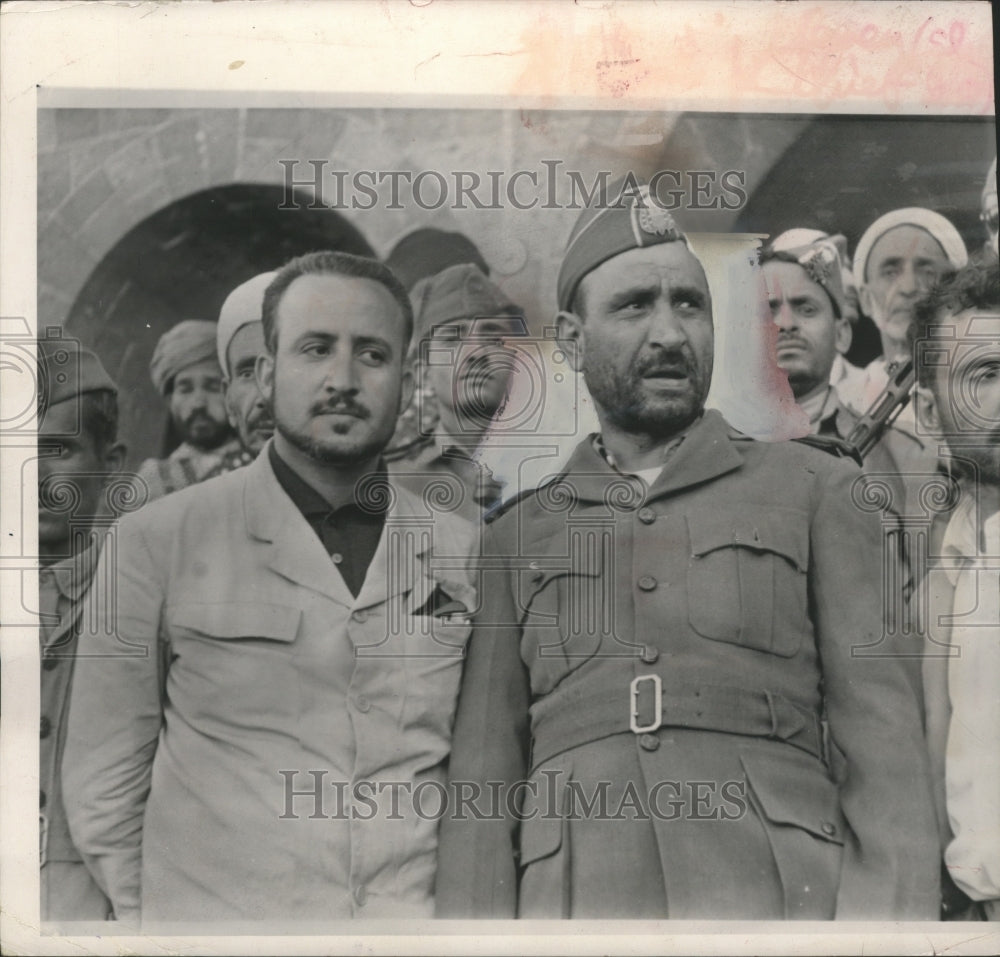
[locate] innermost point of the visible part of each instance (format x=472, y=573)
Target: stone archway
x=180, y=263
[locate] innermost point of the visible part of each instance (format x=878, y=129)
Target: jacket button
x=647, y=583
x=46, y=727
x=829, y=829
x=359, y=616
x=649, y=742
x=362, y=704
x=649, y=655
x=50, y=664
x=646, y=515
x=360, y=895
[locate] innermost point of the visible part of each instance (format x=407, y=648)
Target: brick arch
x=180, y=263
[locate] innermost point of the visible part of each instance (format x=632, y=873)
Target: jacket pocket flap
x=541, y=837
x=246, y=619
x=760, y=531
x=792, y=792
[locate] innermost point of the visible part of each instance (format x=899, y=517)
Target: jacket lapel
x=294, y=551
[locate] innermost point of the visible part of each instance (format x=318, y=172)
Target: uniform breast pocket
x=746, y=578
x=566, y=618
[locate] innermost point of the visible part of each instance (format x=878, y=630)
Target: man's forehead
x=787, y=278
x=906, y=241
x=206, y=368
x=247, y=341
x=479, y=325
x=673, y=259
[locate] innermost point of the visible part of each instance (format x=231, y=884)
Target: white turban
x=242, y=307
x=933, y=223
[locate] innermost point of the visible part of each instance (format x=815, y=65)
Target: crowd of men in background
x=288, y=628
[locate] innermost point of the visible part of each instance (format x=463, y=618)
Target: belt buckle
x=633, y=719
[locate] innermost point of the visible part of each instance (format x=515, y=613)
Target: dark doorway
x=181, y=263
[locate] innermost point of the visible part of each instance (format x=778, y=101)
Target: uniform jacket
x=747, y=580
x=254, y=791
x=68, y=890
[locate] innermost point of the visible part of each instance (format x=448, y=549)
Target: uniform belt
x=572, y=716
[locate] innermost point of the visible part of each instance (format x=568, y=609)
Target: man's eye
x=316, y=350
x=986, y=372
x=245, y=374
x=372, y=356
x=807, y=309
x=214, y=386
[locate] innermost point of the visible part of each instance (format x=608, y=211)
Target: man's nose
x=665, y=328
x=908, y=283
x=340, y=374
x=784, y=318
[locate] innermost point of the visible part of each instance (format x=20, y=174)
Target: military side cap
x=243, y=306
x=625, y=217
x=821, y=256
x=459, y=292
x=66, y=370
x=190, y=341
x=426, y=251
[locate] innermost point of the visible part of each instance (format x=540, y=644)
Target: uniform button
x=41, y=799
x=361, y=895
x=360, y=617
x=337, y=558
x=46, y=727
x=646, y=515
x=362, y=704
x=649, y=742
x=49, y=664
x=647, y=583
x=649, y=654
x=829, y=829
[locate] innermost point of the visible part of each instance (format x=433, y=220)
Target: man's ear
x=570, y=336
x=407, y=385
x=113, y=460
x=264, y=373
x=843, y=334
x=865, y=300
x=230, y=413
x=926, y=409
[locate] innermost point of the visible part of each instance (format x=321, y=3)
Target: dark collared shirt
x=350, y=534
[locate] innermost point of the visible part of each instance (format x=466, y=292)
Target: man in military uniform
x=79, y=454
x=663, y=629
x=461, y=320
x=240, y=340
x=185, y=371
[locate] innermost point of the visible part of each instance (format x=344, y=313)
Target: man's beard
x=980, y=463
x=352, y=451
x=624, y=403
x=203, y=432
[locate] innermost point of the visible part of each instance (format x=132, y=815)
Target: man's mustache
x=341, y=405
x=676, y=363
x=199, y=415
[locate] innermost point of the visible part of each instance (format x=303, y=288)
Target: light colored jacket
x=279, y=681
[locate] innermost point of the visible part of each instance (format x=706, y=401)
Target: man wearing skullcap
x=185, y=371
x=461, y=321
x=898, y=259
x=298, y=628
x=663, y=630
x=240, y=340
x=79, y=455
